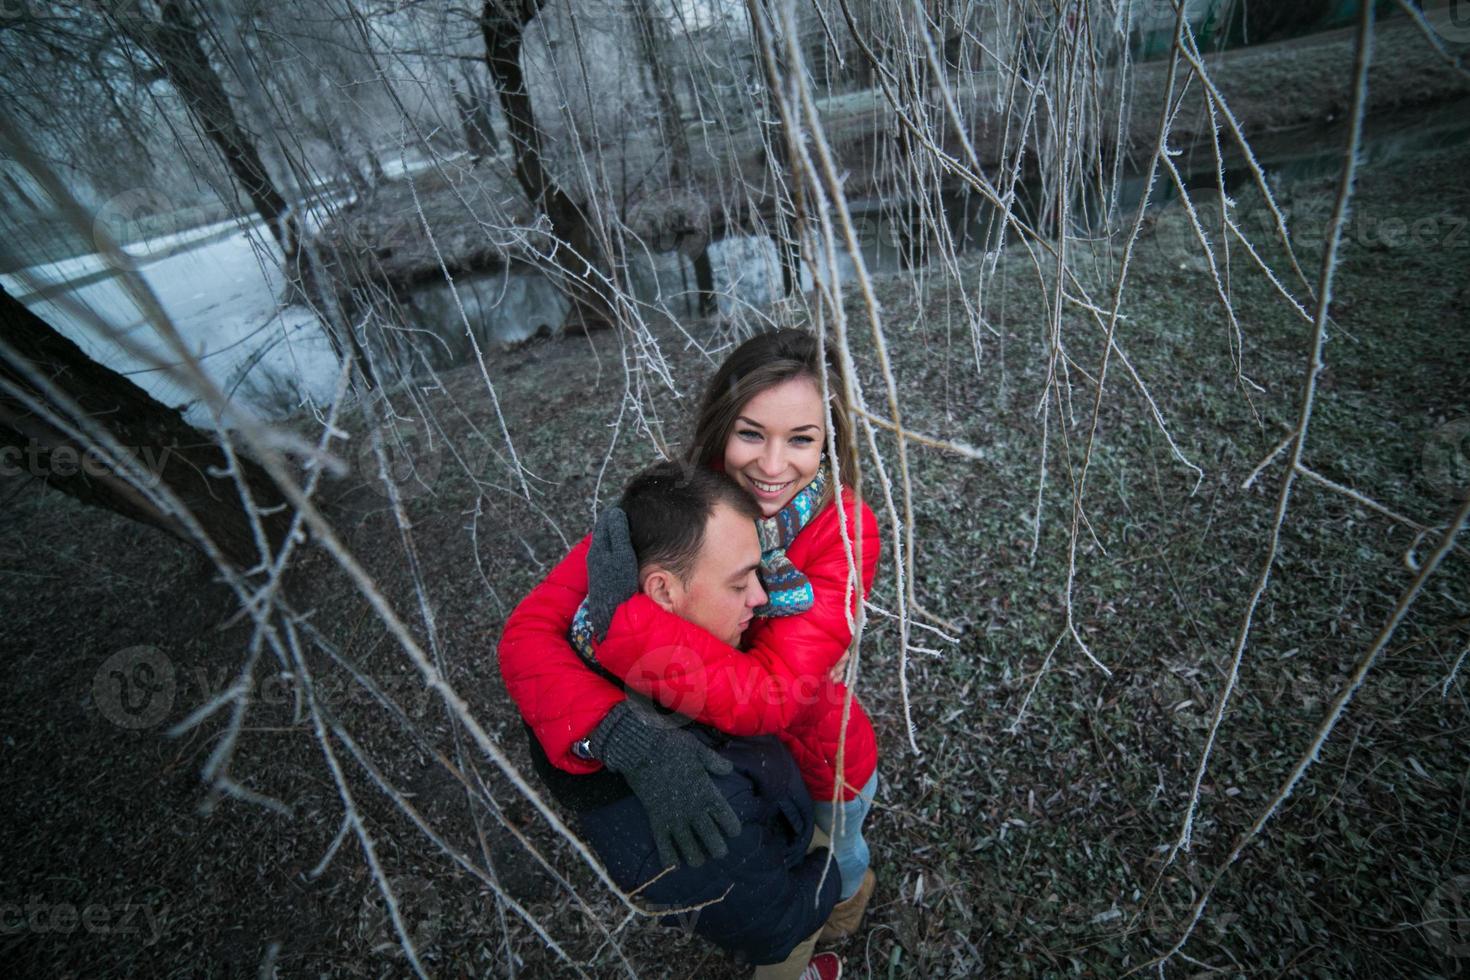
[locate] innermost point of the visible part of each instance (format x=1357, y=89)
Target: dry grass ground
x=998, y=852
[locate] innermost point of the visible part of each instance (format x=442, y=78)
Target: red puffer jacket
x=777, y=684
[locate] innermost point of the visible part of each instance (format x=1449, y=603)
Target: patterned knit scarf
x=789, y=592
x=583, y=639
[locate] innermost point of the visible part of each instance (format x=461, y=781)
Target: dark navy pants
x=772, y=900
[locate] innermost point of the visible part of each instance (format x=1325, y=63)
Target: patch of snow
x=223, y=299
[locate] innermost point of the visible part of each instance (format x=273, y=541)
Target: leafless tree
x=96, y=436
x=172, y=41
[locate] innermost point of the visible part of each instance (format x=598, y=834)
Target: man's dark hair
x=668, y=505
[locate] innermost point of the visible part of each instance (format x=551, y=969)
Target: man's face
x=722, y=591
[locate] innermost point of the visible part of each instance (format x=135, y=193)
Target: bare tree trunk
x=370, y=154
x=173, y=42
x=188, y=461
x=503, y=23
x=783, y=227
x=345, y=164
x=479, y=114
x=704, y=281
x=783, y=224
x=474, y=136
x=653, y=43
x=790, y=254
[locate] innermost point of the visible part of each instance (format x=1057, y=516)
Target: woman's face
x=775, y=448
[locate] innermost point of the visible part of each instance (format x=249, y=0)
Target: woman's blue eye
x=749, y=435
x=801, y=440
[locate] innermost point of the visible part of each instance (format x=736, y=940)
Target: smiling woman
x=777, y=446
x=763, y=419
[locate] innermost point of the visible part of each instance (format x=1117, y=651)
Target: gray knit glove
x=612, y=569
x=669, y=771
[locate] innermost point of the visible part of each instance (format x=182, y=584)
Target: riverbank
x=1281, y=94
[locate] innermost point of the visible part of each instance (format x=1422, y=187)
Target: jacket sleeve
x=762, y=689
x=559, y=697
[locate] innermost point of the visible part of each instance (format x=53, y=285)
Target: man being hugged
x=696, y=551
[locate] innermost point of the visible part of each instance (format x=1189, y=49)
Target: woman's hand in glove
x=612, y=569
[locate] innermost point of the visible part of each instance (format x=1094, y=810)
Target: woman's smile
x=770, y=488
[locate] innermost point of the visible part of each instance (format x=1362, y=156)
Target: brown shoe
x=847, y=915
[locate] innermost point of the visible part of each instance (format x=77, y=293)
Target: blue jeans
x=844, y=824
